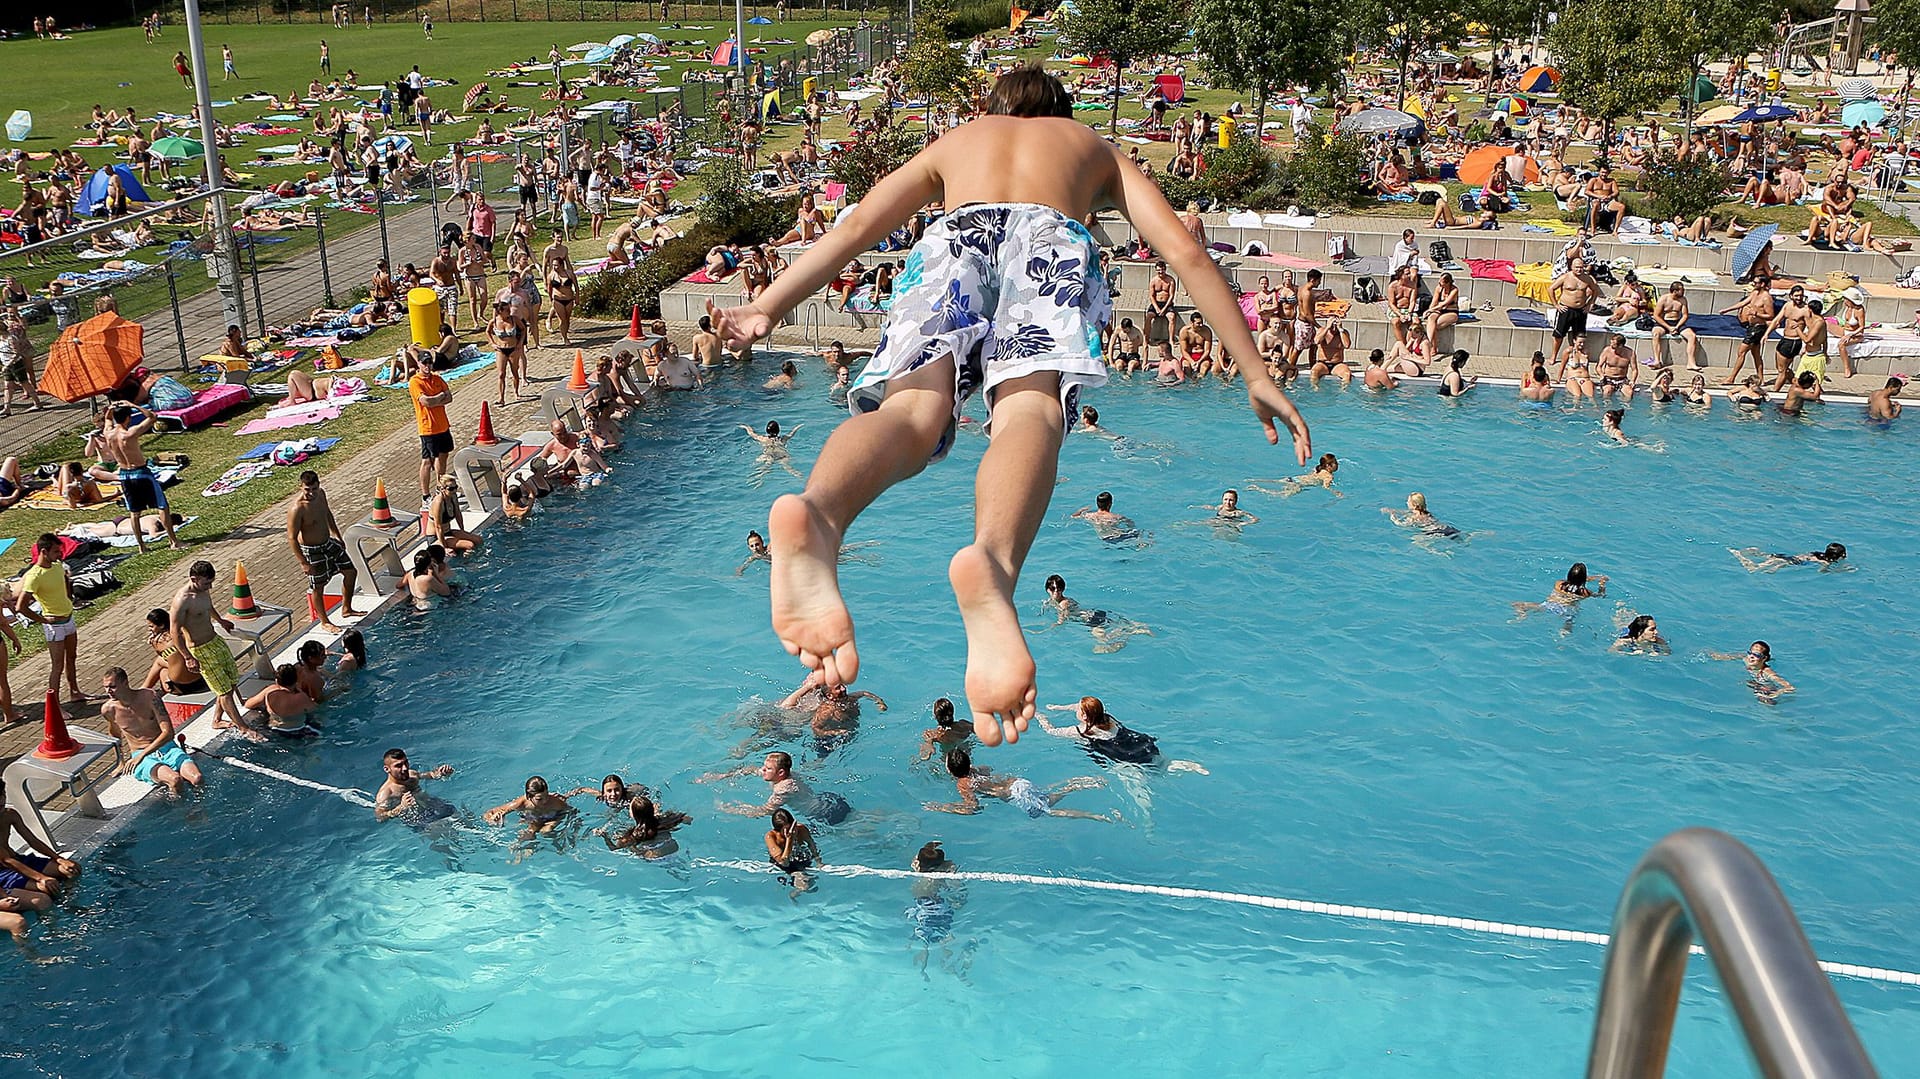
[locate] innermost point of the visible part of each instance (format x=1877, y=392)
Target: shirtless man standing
x=321, y=551
x=401, y=796
x=1196, y=347
x=1756, y=314
x=137, y=717
x=120, y=438
x=1618, y=369
x=1670, y=317
x=1160, y=291
x=1794, y=323
x=706, y=344
x=1881, y=404
x=1305, y=323
x=445, y=271
x=1573, y=292
x=193, y=616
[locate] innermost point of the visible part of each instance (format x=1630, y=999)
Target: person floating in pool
x=835, y=711
x=1638, y=634
x=937, y=898
x=758, y=551
x=1566, y=596
x=947, y=732
x=1228, y=513
x=1321, y=476
x=791, y=848
x=1757, y=560
x=785, y=788
x=1762, y=679
x=541, y=813
x=612, y=792
x=1003, y=296
x=773, y=450
x=1426, y=527
x=1110, y=631
x=1110, y=526
x=400, y=795
x=1106, y=740
x=650, y=835
x=972, y=782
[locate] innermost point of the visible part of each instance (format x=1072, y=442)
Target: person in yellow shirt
x=430, y=396
x=46, y=586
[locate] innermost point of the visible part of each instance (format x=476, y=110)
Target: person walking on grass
x=226, y=64
x=1003, y=296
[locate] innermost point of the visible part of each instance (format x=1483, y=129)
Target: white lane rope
x=1298, y=906
x=351, y=795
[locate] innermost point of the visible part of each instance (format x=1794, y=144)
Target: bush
x=1237, y=171
x=729, y=196
x=860, y=165
x=1326, y=172
x=1179, y=190
x=1688, y=187
x=752, y=220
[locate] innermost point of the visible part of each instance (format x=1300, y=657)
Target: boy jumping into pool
x=1003, y=295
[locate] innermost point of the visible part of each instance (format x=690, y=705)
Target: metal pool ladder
x=1703, y=882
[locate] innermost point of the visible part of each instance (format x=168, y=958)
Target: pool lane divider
x=352, y=795
x=1298, y=906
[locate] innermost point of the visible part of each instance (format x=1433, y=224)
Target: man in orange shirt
x=430, y=396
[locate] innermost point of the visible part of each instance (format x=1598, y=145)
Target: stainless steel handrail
x=1702, y=881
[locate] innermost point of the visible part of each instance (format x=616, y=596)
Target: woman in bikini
x=1575, y=370
x=561, y=289
x=1446, y=307
x=507, y=337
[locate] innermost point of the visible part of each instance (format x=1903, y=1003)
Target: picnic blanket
x=284, y=416
x=1534, y=281
x=1365, y=264
x=1491, y=269
x=49, y=498
x=233, y=478
x=1526, y=318
x=1708, y=325
x=309, y=446
x=1886, y=341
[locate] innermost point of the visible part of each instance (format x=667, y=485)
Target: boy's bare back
x=1043, y=160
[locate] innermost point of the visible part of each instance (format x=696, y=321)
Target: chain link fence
x=381, y=12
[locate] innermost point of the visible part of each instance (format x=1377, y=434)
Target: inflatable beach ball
x=19, y=125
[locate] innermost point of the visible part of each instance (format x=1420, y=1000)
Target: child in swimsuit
x=1002, y=296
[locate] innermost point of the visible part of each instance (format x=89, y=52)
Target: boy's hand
x=1271, y=403
x=740, y=326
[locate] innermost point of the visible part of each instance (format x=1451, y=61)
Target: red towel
x=1492, y=269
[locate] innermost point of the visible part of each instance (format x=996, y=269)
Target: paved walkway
x=289, y=289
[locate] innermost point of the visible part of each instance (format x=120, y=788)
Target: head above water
x=1577, y=575
x=1103, y=500
x=1640, y=626
x=773, y=427
x=1834, y=552
x=959, y=763
x=1028, y=91
x=1056, y=584
x=943, y=712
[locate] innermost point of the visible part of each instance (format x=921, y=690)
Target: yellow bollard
x=423, y=316
x=1227, y=124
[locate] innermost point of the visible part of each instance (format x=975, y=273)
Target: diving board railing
x=1704, y=883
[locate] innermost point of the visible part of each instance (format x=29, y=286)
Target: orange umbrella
x=1479, y=164
x=89, y=358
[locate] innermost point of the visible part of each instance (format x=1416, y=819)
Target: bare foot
x=809, y=616
x=328, y=627
x=1000, y=670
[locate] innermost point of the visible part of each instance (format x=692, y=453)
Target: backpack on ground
x=1365, y=290
x=1441, y=252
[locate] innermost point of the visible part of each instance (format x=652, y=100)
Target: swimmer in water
x=773, y=449
x=947, y=732
x=1537, y=387
x=1421, y=520
x=541, y=811
x=1766, y=683
x=836, y=711
x=790, y=846
x=1610, y=425
x=612, y=792
x=972, y=782
x=1639, y=634
x=650, y=834
x=1229, y=511
x=1112, y=527
x=1453, y=383
x=1110, y=631
x=758, y=551
x=1321, y=476
x=1566, y=596
x=400, y=795
x=1696, y=394
x=1090, y=422
x=1107, y=740
x=784, y=788
x=935, y=902
x=1756, y=560
x=1881, y=405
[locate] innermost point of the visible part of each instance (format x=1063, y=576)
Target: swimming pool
x=1377, y=727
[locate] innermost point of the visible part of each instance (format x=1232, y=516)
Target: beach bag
x=1441, y=252
x=168, y=395
x=1338, y=248
x=1910, y=279
x=1840, y=280
x=90, y=584
x=1365, y=290
x=1644, y=323
x=330, y=359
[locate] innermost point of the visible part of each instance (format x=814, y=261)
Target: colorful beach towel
x=48, y=498
x=309, y=446
x=129, y=541
x=234, y=478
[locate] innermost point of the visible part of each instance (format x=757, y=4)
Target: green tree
x=1698, y=32
x=1405, y=28
x=931, y=67
x=1123, y=31
x=1257, y=45
x=1897, y=29
x=1615, y=61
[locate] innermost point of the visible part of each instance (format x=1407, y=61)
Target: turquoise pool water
x=1377, y=727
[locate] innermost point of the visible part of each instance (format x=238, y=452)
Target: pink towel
x=1491, y=269
x=1247, y=310
x=834, y=191
x=275, y=423
x=1293, y=262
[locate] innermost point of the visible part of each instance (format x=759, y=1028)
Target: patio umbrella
x=1539, y=80
x=1716, y=116
x=586, y=46
x=392, y=144
x=1513, y=105
x=648, y=38
x=819, y=38
x=1863, y=113
x=19, y=125
x=1477, y=167
x=472, y=95
x=621, y=39
x=175, y=148
x=89, y=358
x=600, y=55
x=1766, y=114
x=1704, y=90
x=1856, y=89
x=1379, y=122
x=1749, y=248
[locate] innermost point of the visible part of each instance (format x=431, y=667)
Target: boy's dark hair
x=1029, y=91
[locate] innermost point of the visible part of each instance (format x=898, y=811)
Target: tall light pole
x=740, y=54
x=226, y=262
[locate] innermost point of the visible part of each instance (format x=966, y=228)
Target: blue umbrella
x=623, y=39
x=600, y=55
x=1765, y=114
x=1749, y=248
x=648, y=38
x=1863, y=113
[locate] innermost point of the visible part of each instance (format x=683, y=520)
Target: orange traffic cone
x=243, y=605
x=633, y=331
x=58, y=745
x=382, y=513
x=485, y=436
x=578, y=383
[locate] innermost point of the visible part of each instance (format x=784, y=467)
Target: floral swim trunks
x=1006, y=289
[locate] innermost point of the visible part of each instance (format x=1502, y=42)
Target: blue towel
x=4, y=544
x=1525, y=319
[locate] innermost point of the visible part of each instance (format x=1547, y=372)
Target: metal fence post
x=179, y=327
x=326, y=273
x=380, y=210
x=253, y=271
